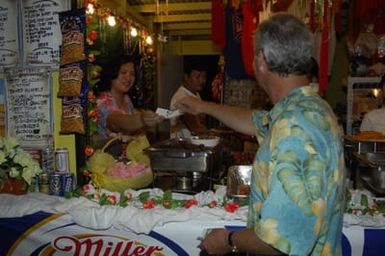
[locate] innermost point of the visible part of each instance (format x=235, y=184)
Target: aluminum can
x=34, y=187
x=43, y=181
x=55, y=186
x=67, y=182
x=48, y=160
x=62, y=160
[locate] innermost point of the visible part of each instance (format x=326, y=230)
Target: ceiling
x=178, y=20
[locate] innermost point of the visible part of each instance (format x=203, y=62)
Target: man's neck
x=187, y=86
x=281, y=86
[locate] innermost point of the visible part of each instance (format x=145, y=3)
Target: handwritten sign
x=28, y=105
x=8, y=33
x=42, y=35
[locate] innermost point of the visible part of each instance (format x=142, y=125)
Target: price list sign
x=42, y=35
x=28, y=105
x=8, y=33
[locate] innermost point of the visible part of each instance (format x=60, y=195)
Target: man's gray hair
x=286, y=44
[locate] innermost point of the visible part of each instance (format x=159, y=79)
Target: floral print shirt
x=297, y=191
x=106, y=104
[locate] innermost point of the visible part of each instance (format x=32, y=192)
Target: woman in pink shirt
x=116, y=113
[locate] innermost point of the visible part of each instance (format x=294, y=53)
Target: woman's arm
x=129, y=123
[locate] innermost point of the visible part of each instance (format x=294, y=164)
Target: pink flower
x=97, y=196
x=231, y=207
x=129, y=196
x=86, y=188
x=112, y=199
x=122, y=170
x=190, y=202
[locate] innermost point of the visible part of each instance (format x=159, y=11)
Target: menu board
x=41, y=28
x=8, y=33
x=28, y=105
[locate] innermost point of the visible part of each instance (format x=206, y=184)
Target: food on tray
x=206, y=140
x=206, y=137
x=369, y=135
x=244, y=189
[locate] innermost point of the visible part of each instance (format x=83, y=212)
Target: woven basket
x=111, y=183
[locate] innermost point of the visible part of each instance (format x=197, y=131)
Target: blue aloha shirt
x=297, y=191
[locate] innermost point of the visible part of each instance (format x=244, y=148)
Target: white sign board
x=28, y=105
x=41, y=28
x=8, y=33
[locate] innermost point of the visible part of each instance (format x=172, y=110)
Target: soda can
x=48, y=160
x=62, y=160
x=67, y=182
x=55, y=186
x=43, y=181
x=34, y=187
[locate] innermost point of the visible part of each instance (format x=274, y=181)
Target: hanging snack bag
x=72, y=25
x=72, y=116
x=71, y=79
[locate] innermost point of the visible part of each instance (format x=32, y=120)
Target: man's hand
x=190, y=105
x=216, y=243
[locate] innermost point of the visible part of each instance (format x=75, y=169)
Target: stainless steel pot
x=371, y=170
x=238, y=180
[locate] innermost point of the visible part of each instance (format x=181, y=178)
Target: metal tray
x=170, y=155
x=364, y=146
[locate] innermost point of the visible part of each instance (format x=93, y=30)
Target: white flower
x=30, y=172
x=11, y=143
x=2, y=157
x=15, y=162
x=23, y=158
x=14, y=173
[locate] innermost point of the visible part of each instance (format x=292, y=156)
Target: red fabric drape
x=250, y=12
x=324, y=50
x=312, y=16
x=218, y=23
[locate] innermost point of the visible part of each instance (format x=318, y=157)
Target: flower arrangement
x=15, y=163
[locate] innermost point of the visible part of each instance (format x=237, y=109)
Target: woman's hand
x=150, y=118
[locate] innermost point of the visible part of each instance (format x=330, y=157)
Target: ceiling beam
x=189, y=32
x=184, y=17
x=173, y=7
x=190, y=25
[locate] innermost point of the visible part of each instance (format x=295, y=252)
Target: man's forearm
x=237, y=118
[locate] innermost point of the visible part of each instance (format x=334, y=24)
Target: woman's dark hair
x=110, y=71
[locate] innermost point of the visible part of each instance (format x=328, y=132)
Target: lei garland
x=145, y=201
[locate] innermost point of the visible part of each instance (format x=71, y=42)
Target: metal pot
x=371, y=170
x=238, y=180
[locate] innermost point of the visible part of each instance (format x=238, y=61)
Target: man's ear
x=261, y=63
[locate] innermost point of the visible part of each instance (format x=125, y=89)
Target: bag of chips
x=72, y=116
x=71, y=78
x=72, y=25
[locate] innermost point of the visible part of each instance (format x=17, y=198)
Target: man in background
x=374, y=120
x=194, y=80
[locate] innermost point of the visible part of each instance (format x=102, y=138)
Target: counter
x=51, y=228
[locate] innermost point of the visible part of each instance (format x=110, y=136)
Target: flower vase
x=13, y=186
